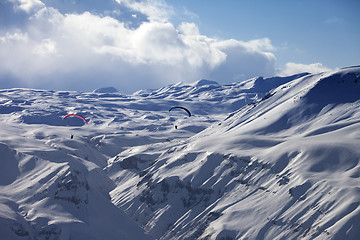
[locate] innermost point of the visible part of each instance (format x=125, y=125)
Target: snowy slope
x=261, y=159
x=51, y=188
x=286, y=167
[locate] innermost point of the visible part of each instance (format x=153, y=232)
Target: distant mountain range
x=267, y=158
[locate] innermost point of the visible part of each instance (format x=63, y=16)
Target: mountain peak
x=106, y=90
x=204, y=82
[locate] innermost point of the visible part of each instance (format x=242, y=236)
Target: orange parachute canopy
x=75, y=115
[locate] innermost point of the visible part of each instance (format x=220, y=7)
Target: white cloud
x=84, y=51
x=47, y=47
x=294, y=68
x=27, y=5
x=244, y=60
x=199, y=50
x=16, y=36
x=263, y=44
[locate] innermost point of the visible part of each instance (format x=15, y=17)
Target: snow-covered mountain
x=274, y=158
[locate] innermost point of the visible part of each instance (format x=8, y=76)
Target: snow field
x=262, y=159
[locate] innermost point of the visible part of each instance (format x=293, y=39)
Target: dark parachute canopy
x=187, y=110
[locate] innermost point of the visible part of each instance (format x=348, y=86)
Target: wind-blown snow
x=274, y=158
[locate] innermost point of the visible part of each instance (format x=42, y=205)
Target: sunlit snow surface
x=270, y=158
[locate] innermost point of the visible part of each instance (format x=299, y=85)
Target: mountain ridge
x=259, y=159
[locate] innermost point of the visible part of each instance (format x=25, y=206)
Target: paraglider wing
x=188, y=112
x=75, y=115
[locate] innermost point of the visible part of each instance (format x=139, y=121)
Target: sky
x=83, y=45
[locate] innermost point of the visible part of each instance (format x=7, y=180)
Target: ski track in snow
x=273, y=158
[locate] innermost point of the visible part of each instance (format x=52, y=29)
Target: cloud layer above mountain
x=127, y=44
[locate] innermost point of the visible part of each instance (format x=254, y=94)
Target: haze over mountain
x=266, y=158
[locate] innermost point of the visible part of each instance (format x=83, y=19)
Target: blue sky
x=131, y=45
